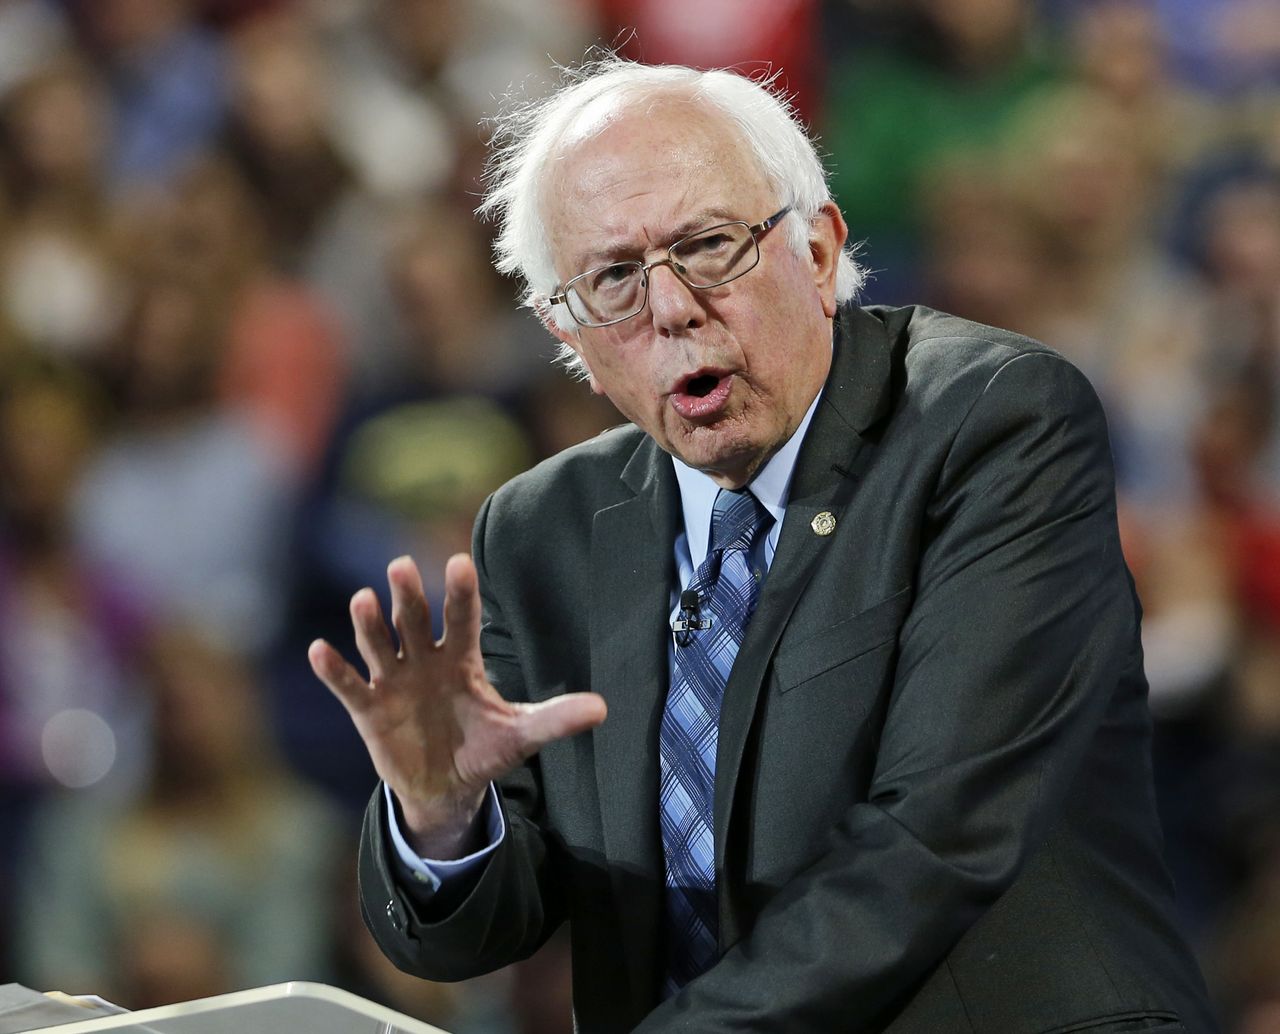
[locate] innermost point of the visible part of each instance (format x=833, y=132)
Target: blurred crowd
x=251, y=348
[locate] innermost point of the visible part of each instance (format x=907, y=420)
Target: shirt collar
x=771, y=485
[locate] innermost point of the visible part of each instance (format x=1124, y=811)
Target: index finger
x=461, y=604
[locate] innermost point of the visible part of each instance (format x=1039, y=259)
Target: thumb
x=565, y=715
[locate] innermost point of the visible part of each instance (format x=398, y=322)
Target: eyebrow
x=619, y=251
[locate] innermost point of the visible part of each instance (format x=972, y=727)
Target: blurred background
x=251, y=348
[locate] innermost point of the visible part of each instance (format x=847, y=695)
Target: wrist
x=441, y=830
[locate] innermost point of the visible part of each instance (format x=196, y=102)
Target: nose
x=674, y=306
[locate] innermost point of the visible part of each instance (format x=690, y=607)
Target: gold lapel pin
x=824, y=523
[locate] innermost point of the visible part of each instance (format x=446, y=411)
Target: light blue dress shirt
x=772, y=486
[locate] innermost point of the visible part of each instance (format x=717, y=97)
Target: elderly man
x=850, y=590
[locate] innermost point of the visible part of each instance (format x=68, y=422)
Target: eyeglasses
x=712, y=257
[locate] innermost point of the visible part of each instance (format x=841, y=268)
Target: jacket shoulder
x=930, y=336
x=948, y=359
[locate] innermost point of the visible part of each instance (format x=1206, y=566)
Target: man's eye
x=612, y=276
x=708, y=245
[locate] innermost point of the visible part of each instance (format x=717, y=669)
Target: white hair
x=529, y=135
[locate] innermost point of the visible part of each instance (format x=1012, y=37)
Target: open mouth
x=702, y=386
x=704, y=395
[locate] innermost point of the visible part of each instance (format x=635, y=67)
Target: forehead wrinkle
x=627, y=242
x=622, y=247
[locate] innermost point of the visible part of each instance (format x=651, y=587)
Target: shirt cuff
x=433, y=873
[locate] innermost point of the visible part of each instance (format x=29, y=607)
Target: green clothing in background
x=891, y=117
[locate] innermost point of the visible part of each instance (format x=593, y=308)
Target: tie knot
x=736, y=519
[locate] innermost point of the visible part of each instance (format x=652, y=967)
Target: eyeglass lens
x=707, y=259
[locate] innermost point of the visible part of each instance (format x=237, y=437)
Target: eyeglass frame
x=757, y=231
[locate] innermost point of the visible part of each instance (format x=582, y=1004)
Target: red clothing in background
x=750, y=36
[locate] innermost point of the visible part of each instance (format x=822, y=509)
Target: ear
x=827, y=234
x=571, y=338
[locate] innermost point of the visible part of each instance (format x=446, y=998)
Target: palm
x=435, y=728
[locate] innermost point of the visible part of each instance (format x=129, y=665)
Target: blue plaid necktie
x=727, y=588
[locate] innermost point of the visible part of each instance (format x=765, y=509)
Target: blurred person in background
x=71, y=714
x=393, y=56
x=409, y=478
x=1223, y=49
x=1240, y=447
x=218, y=873
x=278, y=135
x=1119, y=48
x=1235, y=438
x=754, y=37
x=1240, y=261
x=405, y=84
x=283, y=362
x=472, y=362
x=1194, y=633
x=462, y=334
x=166, y=81
x=952, y=74
x=60, y=280
x=184, y=495
x=558, y=415
x=227, y=379
x=320, y=223
x=986, y=256
x=1112, y=301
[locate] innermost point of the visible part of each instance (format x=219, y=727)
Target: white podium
x=301, y=1007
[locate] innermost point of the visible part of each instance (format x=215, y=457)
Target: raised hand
x=436, y=729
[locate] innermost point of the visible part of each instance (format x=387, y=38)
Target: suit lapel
x=856, y=397
x=632, y=571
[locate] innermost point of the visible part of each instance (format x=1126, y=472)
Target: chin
x=738, y=464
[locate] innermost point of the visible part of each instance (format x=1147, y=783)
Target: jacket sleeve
x=1023, y=620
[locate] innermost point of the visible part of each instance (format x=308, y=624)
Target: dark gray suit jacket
x=933, y=793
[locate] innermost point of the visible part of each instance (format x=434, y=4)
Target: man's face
x=720, y=378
